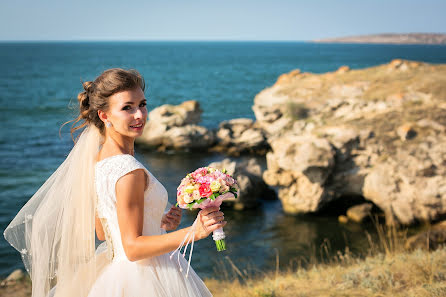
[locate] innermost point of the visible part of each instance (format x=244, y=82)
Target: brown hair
x=96, y=93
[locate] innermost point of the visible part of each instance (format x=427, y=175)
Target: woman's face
x=127, y=112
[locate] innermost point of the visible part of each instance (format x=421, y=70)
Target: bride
x=102, y=189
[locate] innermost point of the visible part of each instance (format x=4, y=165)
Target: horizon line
x=153, y=40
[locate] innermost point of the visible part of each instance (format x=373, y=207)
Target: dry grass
x=407, y=274
x=419, y=273
x=379, y=82
x=389, y=270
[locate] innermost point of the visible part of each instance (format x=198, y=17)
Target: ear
x=102, y=115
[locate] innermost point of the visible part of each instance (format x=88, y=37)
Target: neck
x=122, y=143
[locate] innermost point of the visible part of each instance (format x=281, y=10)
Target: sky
x=285, y=20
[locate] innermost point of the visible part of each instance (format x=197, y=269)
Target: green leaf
x=200, y=200
x=214, y=195
x=234, y=192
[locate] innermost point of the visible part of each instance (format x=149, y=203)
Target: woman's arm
x=130, y=208
x=99, y=230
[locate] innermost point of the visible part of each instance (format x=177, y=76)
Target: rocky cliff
x=377, y=133
x=410, y=38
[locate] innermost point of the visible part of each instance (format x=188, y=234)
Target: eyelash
x=125, y=107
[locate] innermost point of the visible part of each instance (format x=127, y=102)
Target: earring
x=108, y=124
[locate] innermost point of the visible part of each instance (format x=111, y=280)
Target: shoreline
x=389, y=38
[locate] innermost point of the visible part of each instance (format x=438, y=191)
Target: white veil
x=55, y=229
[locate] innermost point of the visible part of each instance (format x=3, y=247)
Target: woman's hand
x=208, y=220
x=171, y=220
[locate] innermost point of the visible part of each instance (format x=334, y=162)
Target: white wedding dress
x=156, y=276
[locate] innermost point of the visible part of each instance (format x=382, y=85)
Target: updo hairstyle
x=96, y=93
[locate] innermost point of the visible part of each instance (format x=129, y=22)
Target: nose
x=139, y=114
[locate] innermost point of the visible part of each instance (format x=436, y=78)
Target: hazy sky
x=215, y=20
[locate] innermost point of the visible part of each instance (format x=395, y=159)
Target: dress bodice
x=107, y=172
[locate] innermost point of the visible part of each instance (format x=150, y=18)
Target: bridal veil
x=55, y=230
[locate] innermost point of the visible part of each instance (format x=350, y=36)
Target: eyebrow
x=130, y=102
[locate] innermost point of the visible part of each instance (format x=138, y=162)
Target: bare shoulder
x=131, y=184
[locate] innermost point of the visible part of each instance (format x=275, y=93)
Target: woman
x=101, y=188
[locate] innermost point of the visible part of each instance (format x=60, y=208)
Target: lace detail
x=107, y=172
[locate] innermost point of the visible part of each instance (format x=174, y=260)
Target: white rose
x=196, y=195
x=188, y=198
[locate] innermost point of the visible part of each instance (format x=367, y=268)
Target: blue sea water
x=39, y=83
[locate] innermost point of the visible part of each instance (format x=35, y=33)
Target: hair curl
x=96, y=94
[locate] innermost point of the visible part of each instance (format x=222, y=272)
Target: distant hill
x=389, y=38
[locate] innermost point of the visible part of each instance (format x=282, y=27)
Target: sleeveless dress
x=155, y=276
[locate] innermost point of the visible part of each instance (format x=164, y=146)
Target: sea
x=39, y=83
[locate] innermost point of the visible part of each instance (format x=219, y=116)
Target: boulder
x=15, y=276
x=248, y=174
x=359, y=213
x=174, y=127
x=239, y=136
x=187, y=113
x=189, y=137
x=342, y=219
x=300, y=166
x=410, y=185
x=430, y=239
x=343, y=69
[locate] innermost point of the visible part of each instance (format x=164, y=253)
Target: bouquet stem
x=219, y=238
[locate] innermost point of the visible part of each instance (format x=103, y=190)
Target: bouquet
x=206, y=187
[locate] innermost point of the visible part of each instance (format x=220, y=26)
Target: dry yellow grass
x=388, y=270
x=418, y=273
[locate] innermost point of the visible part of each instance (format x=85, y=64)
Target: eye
x=143, y=104
x=127, y=107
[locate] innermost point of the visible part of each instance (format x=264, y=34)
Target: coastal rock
x=377, y=133
x=342, y=219
x=239, y=136
x=391, y=38
x=189, y=137
x=359, y=213
x=14, y=277
x=410, y=185
x=187, y=113
x=249, y=178
x=430, y=239
x=343, y=69
x=174, y=127
x=288, y=77
x=301, y=166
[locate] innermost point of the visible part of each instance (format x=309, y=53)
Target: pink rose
x=202, y=171
x=230, y=180
x=205, y=190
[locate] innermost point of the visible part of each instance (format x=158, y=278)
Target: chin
x=131, y=133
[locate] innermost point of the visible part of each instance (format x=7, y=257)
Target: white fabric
x=55, y=230
x=156, y=276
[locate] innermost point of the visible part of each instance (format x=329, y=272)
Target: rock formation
x=249, y=178
x=240, y=136
x=175, y=127
x=389, y=38
x=379, y=133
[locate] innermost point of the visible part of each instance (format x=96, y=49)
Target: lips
x=137, y=125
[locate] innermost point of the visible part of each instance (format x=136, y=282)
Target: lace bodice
x=107, y=173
